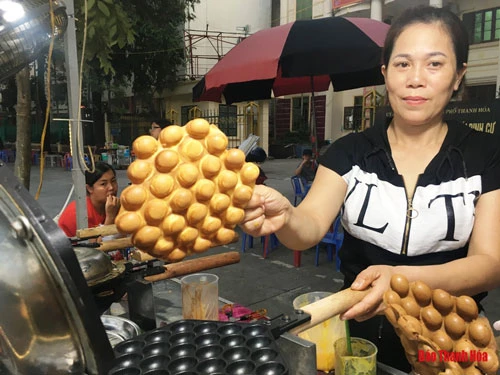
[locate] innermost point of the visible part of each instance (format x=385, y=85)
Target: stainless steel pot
x=119, y=329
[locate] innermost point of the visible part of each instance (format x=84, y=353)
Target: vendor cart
x=51, y=323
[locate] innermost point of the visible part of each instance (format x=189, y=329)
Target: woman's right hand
x=111, y=208
x=266, y=212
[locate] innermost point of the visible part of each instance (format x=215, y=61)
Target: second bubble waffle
x=441, y=334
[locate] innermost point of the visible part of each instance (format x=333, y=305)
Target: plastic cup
x=324, y=334
x=362, y=361
x=200, y=296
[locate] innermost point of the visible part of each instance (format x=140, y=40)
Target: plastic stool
x=68, y=162
x=297, y=255
x=264, y=239
x=274, y=243
x=35, y=157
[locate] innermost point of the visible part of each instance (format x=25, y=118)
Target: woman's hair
x=100, y=169
x=428, y=14
x=162, y=123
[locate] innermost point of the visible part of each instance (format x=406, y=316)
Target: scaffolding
x=204, y=48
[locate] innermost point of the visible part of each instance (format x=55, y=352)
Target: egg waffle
x=188, y=191
x=441, y=334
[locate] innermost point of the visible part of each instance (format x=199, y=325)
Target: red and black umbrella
x=298, y=57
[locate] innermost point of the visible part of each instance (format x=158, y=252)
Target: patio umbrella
x=298, y=57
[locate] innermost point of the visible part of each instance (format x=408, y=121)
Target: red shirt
x=67, y=220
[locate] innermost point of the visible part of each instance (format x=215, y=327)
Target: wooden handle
x=195, y=265
x=120, y=243
x=141, y=256
x=103, y=230
x=330, y=306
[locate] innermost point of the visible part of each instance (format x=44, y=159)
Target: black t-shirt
x=383, y=226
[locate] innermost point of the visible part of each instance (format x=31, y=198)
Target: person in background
x=307, y=167
x=157, y=126
x=102, y=203
x=418, y=196
x=258, y=155
x=324, y=146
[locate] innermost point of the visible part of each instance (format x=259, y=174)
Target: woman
x=102, y=202
x=419, y=197
x=157, y=126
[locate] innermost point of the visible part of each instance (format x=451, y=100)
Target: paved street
x=270, y=283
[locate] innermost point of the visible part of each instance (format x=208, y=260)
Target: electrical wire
x=47, y=109
x=79, y=141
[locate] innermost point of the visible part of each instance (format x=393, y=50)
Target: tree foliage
x=137, y=40
x=108, y=25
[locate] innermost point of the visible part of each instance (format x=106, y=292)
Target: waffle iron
x=49, y=322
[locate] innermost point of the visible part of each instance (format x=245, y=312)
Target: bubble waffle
x=188, y=191
x=441, y=334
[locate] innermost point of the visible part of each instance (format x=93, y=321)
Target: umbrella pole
x=312, y=121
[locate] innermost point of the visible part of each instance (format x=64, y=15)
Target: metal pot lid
x=94, y=263
x=49, y=322
x=117, y=270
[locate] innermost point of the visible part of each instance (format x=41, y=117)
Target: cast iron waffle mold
x=189, y=347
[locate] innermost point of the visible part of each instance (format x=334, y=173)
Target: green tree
x=139, y=40
x=125, y=39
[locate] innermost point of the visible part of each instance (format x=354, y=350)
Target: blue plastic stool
x=268, y=241
x=333, y=238
x=299, y=189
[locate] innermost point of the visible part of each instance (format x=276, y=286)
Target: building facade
x=286, y=119
x=218, y=26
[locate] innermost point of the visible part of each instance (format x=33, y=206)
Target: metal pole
x=314, y=138
x=76, y=133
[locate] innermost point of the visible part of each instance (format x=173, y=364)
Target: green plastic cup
x=363, y=360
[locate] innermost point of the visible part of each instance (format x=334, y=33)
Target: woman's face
x=106, y=185
x=421, y=75
x=155, y=130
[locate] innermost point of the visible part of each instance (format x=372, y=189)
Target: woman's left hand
x=378, y=278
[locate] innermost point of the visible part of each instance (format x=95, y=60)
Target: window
x=303, y=10
x=480, y=93
x=300, y=113
x=275, y=12
x=348, y=118
x=357, y=112
x=483, y=26
x=228, y=119
x=186, y=113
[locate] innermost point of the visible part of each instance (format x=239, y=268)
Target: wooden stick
x=186, y=267
x=119, y=243
x=103, y=230
x=330, y=306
